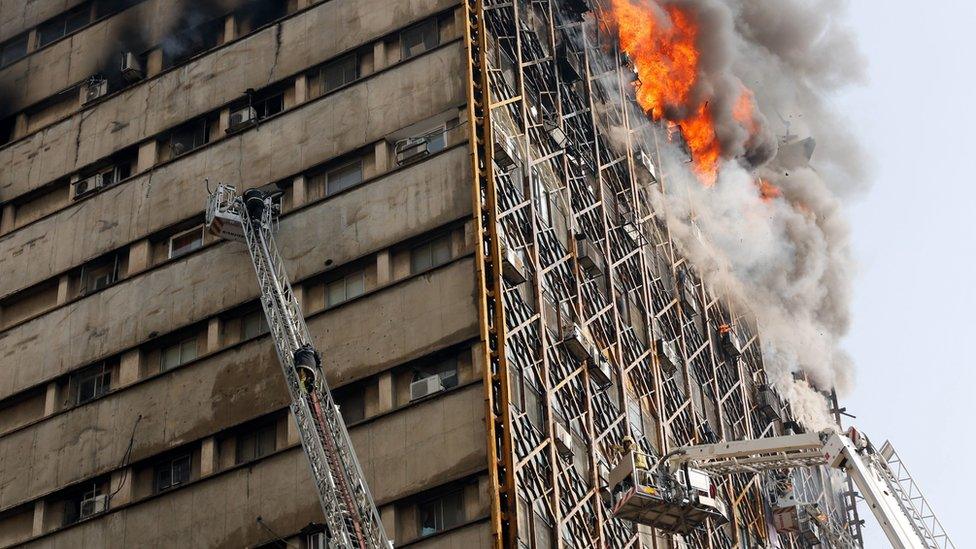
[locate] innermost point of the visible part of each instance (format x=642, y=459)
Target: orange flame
x=663, y=46
x=768, y=191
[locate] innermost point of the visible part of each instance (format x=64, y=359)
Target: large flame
x=662, y=43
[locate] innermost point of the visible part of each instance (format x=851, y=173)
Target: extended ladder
x=351, y=517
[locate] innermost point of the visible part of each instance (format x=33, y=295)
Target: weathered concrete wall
x=16, y=16
x=475, y=535
x=243, y=383
x=446, y=442
x=196, y=88
x=220, y=512
x=188, y=290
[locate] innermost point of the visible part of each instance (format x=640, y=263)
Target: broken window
x=100, y=273
x=189, y=136
x=339, y=73
x=172, y=473
x=256, y=443
x=63, y=25
x=441, y=513
x=13, y=49
x=179, y=353
x=430, y=254
x=419, y=38
x=344, y=177
x=92, y=382
x=185, y=242
x=346, y=288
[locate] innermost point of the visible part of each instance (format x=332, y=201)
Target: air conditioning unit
x=93, y=506
x=768, y=403
x=131, y=69
x=599, y=369
x=570, y=65
x=411, y=150
x=574, y=341
x=589, y=258
x=668, y=357
x=241, y=119
x=425, y=387
x=88, y=185
x=513, y=268
x=564, y=440
x=505, y=155
x=95, y=88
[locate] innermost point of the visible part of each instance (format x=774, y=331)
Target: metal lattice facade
x=595, y=327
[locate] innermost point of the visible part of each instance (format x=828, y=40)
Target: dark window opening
x=83, y=504
x=256, y=443
x=420, y=38
x=430, y=254
x=445, y=369
x=441, y=513
x=262, y=12
x=189, y=136
x=172, y=473
x=253, y=324
x=13, y=49
x=100, y=273
x=180, y=47
x=352, y=403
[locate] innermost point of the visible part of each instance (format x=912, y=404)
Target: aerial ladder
x=351, y=517
x=673, y=493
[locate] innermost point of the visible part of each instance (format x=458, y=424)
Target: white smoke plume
x=785, y=259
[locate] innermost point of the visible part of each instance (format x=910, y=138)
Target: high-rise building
x=467, y=224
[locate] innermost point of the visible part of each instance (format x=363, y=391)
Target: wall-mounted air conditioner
x=729, y=342
x=768, y=403
x=241, y=119
x=95, y=87
x=589, y=258
x=504, y=155
x=411, y=150
x=513, y=268
x=425, y=387
x=575, y=341
x=564, y=440
x=93, y=506
x=88, y=185
x=131, y=68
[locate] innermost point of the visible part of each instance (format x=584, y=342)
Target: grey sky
x=915, y=304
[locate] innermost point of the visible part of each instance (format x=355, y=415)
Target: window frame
x=343, y=71
x=62, y=21
x=262, y=322
x=357, y=163
x=428, y=24
x=169, y=242
x=100, y=375
x=85, y=276
x=269, y=429
x=440, y=500
x=22, y=40
x=170, y=464
x=431, y=262
x=360, y=274
x=195, y=128
x=179, y=346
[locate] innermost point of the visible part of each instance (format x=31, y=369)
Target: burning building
x=492, y=224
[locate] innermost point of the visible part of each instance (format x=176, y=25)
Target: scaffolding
x=594, y=326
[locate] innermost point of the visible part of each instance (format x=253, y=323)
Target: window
x=419, y=38
x=344, y=177
x=172, y=473
x=92, y=382
x=436, y=140
x=99, y=274
x=13, y=49
x=339, y=73
x=441, y=513
x=176, y=354
x=446, y=369
x=346, y=288
x=257, y=443
x=63, y=24
x=185, y=242
x=352, y=403
x=84, y=504
x=269, y=106
x=253, y=324
x=430, y=254
x=189, y=136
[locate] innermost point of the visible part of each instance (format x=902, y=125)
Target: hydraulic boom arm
x=351, y=516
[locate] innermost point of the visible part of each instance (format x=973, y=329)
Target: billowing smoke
x=781, y=253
